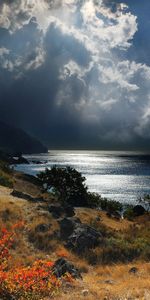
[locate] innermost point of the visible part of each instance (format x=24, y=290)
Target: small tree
x=68, y=183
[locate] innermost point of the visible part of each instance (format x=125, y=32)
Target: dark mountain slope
x=14, y=140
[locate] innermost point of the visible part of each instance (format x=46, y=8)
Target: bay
x=118, y=175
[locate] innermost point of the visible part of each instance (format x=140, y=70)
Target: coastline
x=121, y=178
x=99, y=280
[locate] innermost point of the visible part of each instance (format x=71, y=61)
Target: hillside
x=14, y=140
x=39, y=239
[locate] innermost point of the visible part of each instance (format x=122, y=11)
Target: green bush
x=111, y=206
x=5, y=180
x=129, y=213
x=94, y=200
x=118, y=249
x=68, y=183
x=4, y=166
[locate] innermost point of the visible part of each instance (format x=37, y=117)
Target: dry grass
x=88, y=215
x=13, y=210
x=99, y=282
x=112, y=283
x=123, y=285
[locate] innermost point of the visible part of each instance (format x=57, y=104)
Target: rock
x=17, y=160
x=56, y=210
x=109, y=281
x=19, y=194
x=62, y=266
x=77, y=235
x=97, y=219
x=42, y=227
x=138, y=210
x=114, y=215
x=133, y=270
x=22, y=160
x=84, y=237
x=85, y=293
x=69, y=211
x=37, y=162
x=67, y=225
x=28, y=197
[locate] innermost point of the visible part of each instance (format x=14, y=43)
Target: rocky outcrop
x=58, y=211
x=79, y=236
x=18, y=160
x=13, y=159
x=67, y=226
x=62, y=266
x=28, y=197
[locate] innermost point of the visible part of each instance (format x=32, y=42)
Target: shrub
x=133, y=211
x=111, y=206
x=4, y=166
x=68, y=183
x=5, y=180
x=33, y=282
x=94, y=200
x=129, y=213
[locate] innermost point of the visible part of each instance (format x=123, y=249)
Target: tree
x=68, y=183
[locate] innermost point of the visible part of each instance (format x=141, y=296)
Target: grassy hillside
x=106, y=270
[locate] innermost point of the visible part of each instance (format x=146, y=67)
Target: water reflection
x=122, y=176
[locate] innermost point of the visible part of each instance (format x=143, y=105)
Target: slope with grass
x=105, y=272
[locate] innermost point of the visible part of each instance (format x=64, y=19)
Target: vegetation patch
x=67, y=183
x=5, y=180
x=26, y=282
x=5, y=175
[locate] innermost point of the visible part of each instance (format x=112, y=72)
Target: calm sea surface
x=123, y=176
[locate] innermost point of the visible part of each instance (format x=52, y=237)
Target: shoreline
x=105, y=268
x=123, y=186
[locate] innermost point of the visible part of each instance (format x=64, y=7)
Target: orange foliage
x=25, y=282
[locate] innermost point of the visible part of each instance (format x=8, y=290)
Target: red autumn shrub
x=24, y=282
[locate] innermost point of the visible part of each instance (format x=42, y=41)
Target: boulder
x=25, y=196
x=42, y=227
x=67, y=225
x=98, y=219
x=84, y=237
x=133, y=270
x=22, y=160
x=62, y=266
x=56, y=210
x=138, y=210
x=77, y=235
x=37, y=162
x=21, y=195
x=69, y=211
x=85, y=293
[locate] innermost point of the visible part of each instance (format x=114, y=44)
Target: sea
x=122, y=176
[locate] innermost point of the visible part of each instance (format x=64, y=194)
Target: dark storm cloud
x=68, y=75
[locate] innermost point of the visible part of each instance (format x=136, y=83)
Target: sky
x=76, y=73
